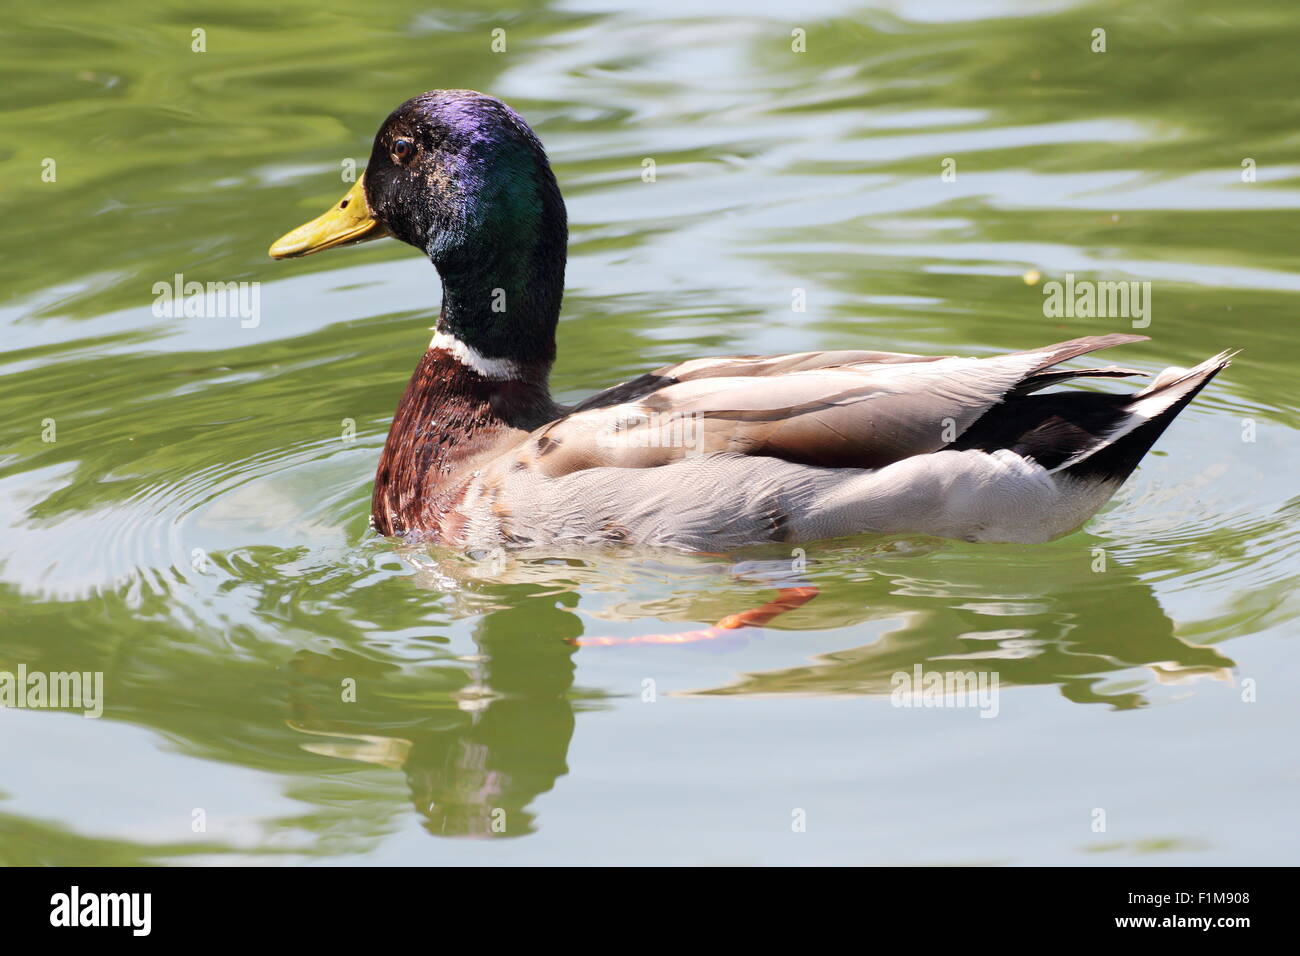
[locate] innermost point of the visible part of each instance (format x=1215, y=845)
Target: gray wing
x=834, y=409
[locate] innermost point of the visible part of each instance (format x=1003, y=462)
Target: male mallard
x=710, y=454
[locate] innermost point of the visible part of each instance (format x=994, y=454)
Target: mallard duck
x=710, y=454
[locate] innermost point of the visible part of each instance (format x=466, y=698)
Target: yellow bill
x=348, y=221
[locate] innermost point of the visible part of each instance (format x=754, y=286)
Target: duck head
x=460, y=176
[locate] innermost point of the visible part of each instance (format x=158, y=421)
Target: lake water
x=184, y=501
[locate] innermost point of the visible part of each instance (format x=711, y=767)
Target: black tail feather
x=1116, y=460
x=1090, y=435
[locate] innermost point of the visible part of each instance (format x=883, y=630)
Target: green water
x=197, y=529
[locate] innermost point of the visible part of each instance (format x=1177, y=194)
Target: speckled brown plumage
x=449, y=420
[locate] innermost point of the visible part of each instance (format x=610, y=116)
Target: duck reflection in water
x=474, y=765
x=479, y=746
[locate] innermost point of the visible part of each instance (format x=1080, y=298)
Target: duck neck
x=501, y=296
x=481, y=384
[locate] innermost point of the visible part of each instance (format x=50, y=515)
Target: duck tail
x=1140, y=419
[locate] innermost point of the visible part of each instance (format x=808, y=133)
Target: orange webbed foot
x=787, y=599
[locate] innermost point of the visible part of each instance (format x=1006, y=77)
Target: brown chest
x=450, y=421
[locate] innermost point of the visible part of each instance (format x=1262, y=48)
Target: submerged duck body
x=709, y=454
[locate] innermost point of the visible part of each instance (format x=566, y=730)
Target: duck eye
x=403, y=149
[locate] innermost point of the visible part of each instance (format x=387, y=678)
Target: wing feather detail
x=839, y=409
